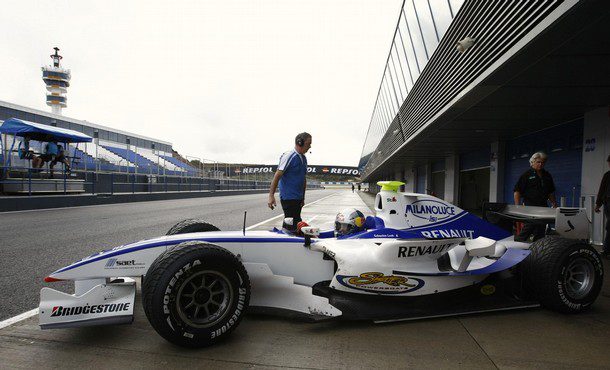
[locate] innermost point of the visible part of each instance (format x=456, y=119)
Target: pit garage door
x=438, y=179
x=563, y=145
x=474, y=180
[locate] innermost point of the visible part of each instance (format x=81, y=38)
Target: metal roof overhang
x=555, y=78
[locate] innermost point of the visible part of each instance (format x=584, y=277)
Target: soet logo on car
x=430, y=210
x=114, y=263
x=377, y=282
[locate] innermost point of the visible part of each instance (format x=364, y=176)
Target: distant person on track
x=353, y=187
x=534, y=188
x=603, y=199
x=290, y=176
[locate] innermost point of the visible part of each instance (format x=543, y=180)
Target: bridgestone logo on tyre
x=164, y=290
x=240, y=306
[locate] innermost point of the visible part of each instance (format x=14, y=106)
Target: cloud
x=233, y=81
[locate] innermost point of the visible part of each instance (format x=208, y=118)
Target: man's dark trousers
x=538, y=230
x=607, y=238
x=292, y=208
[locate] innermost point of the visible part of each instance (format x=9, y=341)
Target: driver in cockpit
x=349, y=221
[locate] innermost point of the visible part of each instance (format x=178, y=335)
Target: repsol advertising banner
x=317, y=169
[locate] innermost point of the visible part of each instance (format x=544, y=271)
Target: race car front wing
x=105, y=303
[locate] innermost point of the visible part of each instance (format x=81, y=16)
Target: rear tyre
x=191, y=225
x=564, y=275
x=196, y=294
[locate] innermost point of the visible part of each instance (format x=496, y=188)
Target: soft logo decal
x=377, y=282
x=114, y=263
x=430, y=210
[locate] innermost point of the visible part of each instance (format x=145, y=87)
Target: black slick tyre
x=564, y=275
x=191, y=225
x=196, y=294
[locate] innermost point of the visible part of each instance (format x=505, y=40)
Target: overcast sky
x=232, y=81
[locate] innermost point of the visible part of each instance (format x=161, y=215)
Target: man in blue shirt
x=290, y=176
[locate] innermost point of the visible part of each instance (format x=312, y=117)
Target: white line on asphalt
x=28, y=314
x=16, y=319
x=311, y=219
x=274, y=217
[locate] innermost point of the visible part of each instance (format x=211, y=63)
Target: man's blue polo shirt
x=51, y=148
x=294, y=166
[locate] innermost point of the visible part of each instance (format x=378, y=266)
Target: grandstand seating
x=98, y=151
x=155, y=158
x=178, y=163
x=143, y=164
x=80, y=159
x=103, y=157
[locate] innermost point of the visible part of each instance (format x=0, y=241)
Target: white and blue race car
x=418, y=257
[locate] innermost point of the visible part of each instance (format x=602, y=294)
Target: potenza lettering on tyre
x=172, y=283
x=196, y=293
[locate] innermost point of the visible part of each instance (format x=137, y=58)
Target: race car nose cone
x=49, y=279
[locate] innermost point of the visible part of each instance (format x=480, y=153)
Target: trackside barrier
x=31, y=181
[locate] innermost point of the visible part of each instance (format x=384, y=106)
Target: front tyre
x=196, y=294
x=191, y=225
x=565, y=275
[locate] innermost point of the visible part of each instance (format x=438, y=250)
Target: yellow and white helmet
x=349, y=221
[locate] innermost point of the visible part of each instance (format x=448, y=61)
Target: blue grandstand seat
x=81, y=159
x=144, y=164
x=178, y=163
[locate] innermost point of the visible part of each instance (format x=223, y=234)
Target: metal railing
x=32, y=181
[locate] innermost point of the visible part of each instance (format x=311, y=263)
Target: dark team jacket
x=603, y=195
x=534, y=189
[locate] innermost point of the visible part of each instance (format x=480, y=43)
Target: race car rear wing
x=570, y=222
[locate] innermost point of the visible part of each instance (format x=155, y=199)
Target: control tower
x=57, y=80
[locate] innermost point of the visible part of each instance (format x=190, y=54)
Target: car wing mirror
x=312, y=232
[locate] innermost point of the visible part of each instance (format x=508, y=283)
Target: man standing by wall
x=534, y=188
x=290, y=176
x=603, y=199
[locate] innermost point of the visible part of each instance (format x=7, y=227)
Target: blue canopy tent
x=39, y=132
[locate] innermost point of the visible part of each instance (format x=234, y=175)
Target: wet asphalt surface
x=36, y=243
